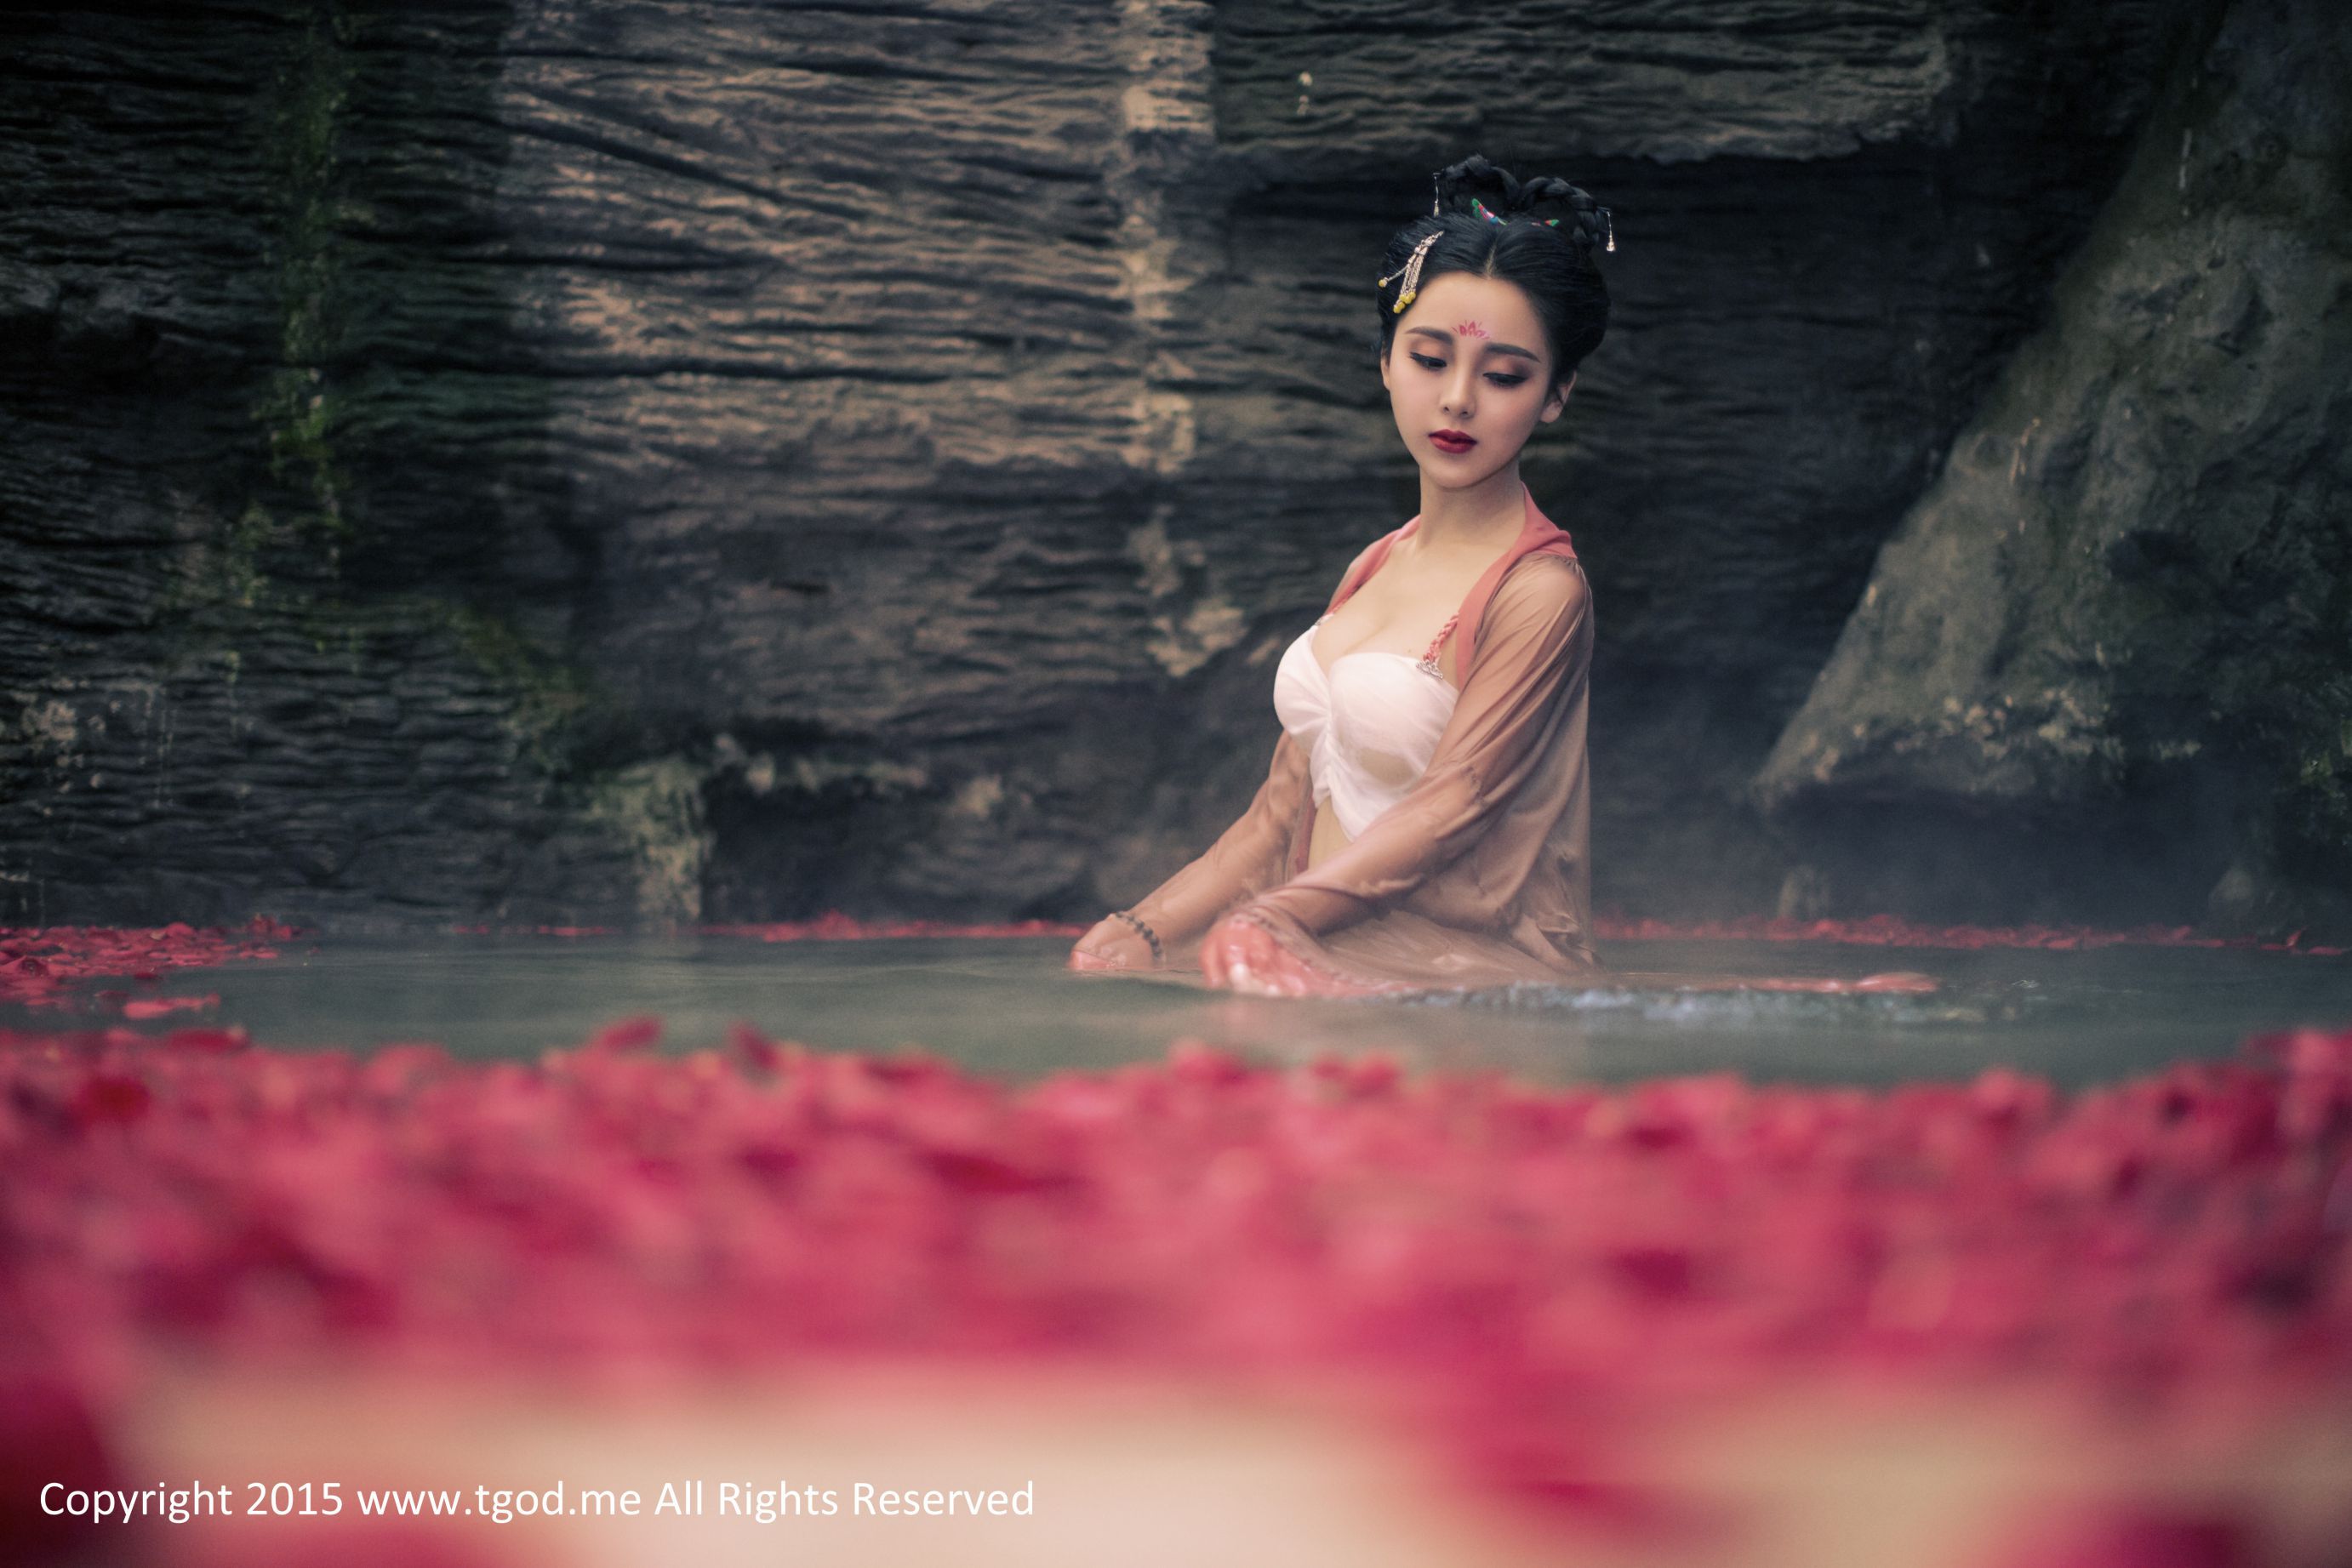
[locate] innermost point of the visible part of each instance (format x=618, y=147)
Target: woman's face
x=1469, y=359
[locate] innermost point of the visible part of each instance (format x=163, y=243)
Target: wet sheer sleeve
x=1535, y=644
x=1253, y=856
x=1247, y=859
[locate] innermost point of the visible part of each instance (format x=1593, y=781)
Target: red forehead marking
x=1469, y=330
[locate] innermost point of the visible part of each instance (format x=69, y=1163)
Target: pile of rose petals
x=1531, y=1262
x=1893, y=931
x=38, y=967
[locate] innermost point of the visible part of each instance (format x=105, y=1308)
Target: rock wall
x=553, y=462
x=2105, y=666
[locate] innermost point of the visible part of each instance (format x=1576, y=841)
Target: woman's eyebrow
x=1442, y=334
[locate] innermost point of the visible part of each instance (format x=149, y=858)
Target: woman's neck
x=1480, y=519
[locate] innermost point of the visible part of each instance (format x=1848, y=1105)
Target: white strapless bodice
x=1369, y=726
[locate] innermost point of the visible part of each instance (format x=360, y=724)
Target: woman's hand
x=1242, y=956
x=1112, y=944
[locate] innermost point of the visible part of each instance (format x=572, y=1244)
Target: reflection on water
x=1007, y=1007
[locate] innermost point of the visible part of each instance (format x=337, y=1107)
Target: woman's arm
x=1535, y=647
x=1247, y=858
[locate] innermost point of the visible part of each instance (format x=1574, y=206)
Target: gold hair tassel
x=1411, y=274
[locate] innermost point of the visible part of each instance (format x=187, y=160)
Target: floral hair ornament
x=1411, y=274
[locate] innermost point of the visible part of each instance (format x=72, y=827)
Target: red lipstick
x=1452, y=441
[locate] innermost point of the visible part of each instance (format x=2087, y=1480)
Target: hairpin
x=1412, y=271
x=1607, y=228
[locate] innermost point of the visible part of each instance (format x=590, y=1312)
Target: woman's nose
x=1460, y=395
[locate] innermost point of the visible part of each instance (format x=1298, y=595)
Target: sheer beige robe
x=1481, y=875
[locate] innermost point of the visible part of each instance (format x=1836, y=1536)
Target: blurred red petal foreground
x=1530, y=1265
x=2138, y=1537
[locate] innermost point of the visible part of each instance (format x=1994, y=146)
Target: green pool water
x=1006, y=1007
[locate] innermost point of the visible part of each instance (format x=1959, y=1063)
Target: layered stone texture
x=2105, y=663
x=667, y=461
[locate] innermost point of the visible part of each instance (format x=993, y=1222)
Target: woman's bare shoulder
x=1361, y=557
x=1373, y=545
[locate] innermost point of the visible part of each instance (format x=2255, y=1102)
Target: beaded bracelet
x=1158, y=957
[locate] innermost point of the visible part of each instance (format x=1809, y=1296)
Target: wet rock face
x=638, y=461
x=2106, y=654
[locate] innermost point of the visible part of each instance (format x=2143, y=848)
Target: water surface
x=1006, y=1007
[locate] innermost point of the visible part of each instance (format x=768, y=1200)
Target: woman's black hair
x=1551, y=261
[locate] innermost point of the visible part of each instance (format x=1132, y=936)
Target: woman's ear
x=1384, y=367
x=1554, y=405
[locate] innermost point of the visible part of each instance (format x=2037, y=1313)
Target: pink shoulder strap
x=1369, y=564
x=1540, y=536
x=1537, y=535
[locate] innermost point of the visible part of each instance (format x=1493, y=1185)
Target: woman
x=1425, y=820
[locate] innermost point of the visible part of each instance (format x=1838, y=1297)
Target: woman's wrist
x=1143, y=929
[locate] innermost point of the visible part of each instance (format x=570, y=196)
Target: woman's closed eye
x=1496, y=377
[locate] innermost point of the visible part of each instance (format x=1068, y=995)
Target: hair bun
x=1474, y=179
x=1569, y=209
x=1485, y=223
